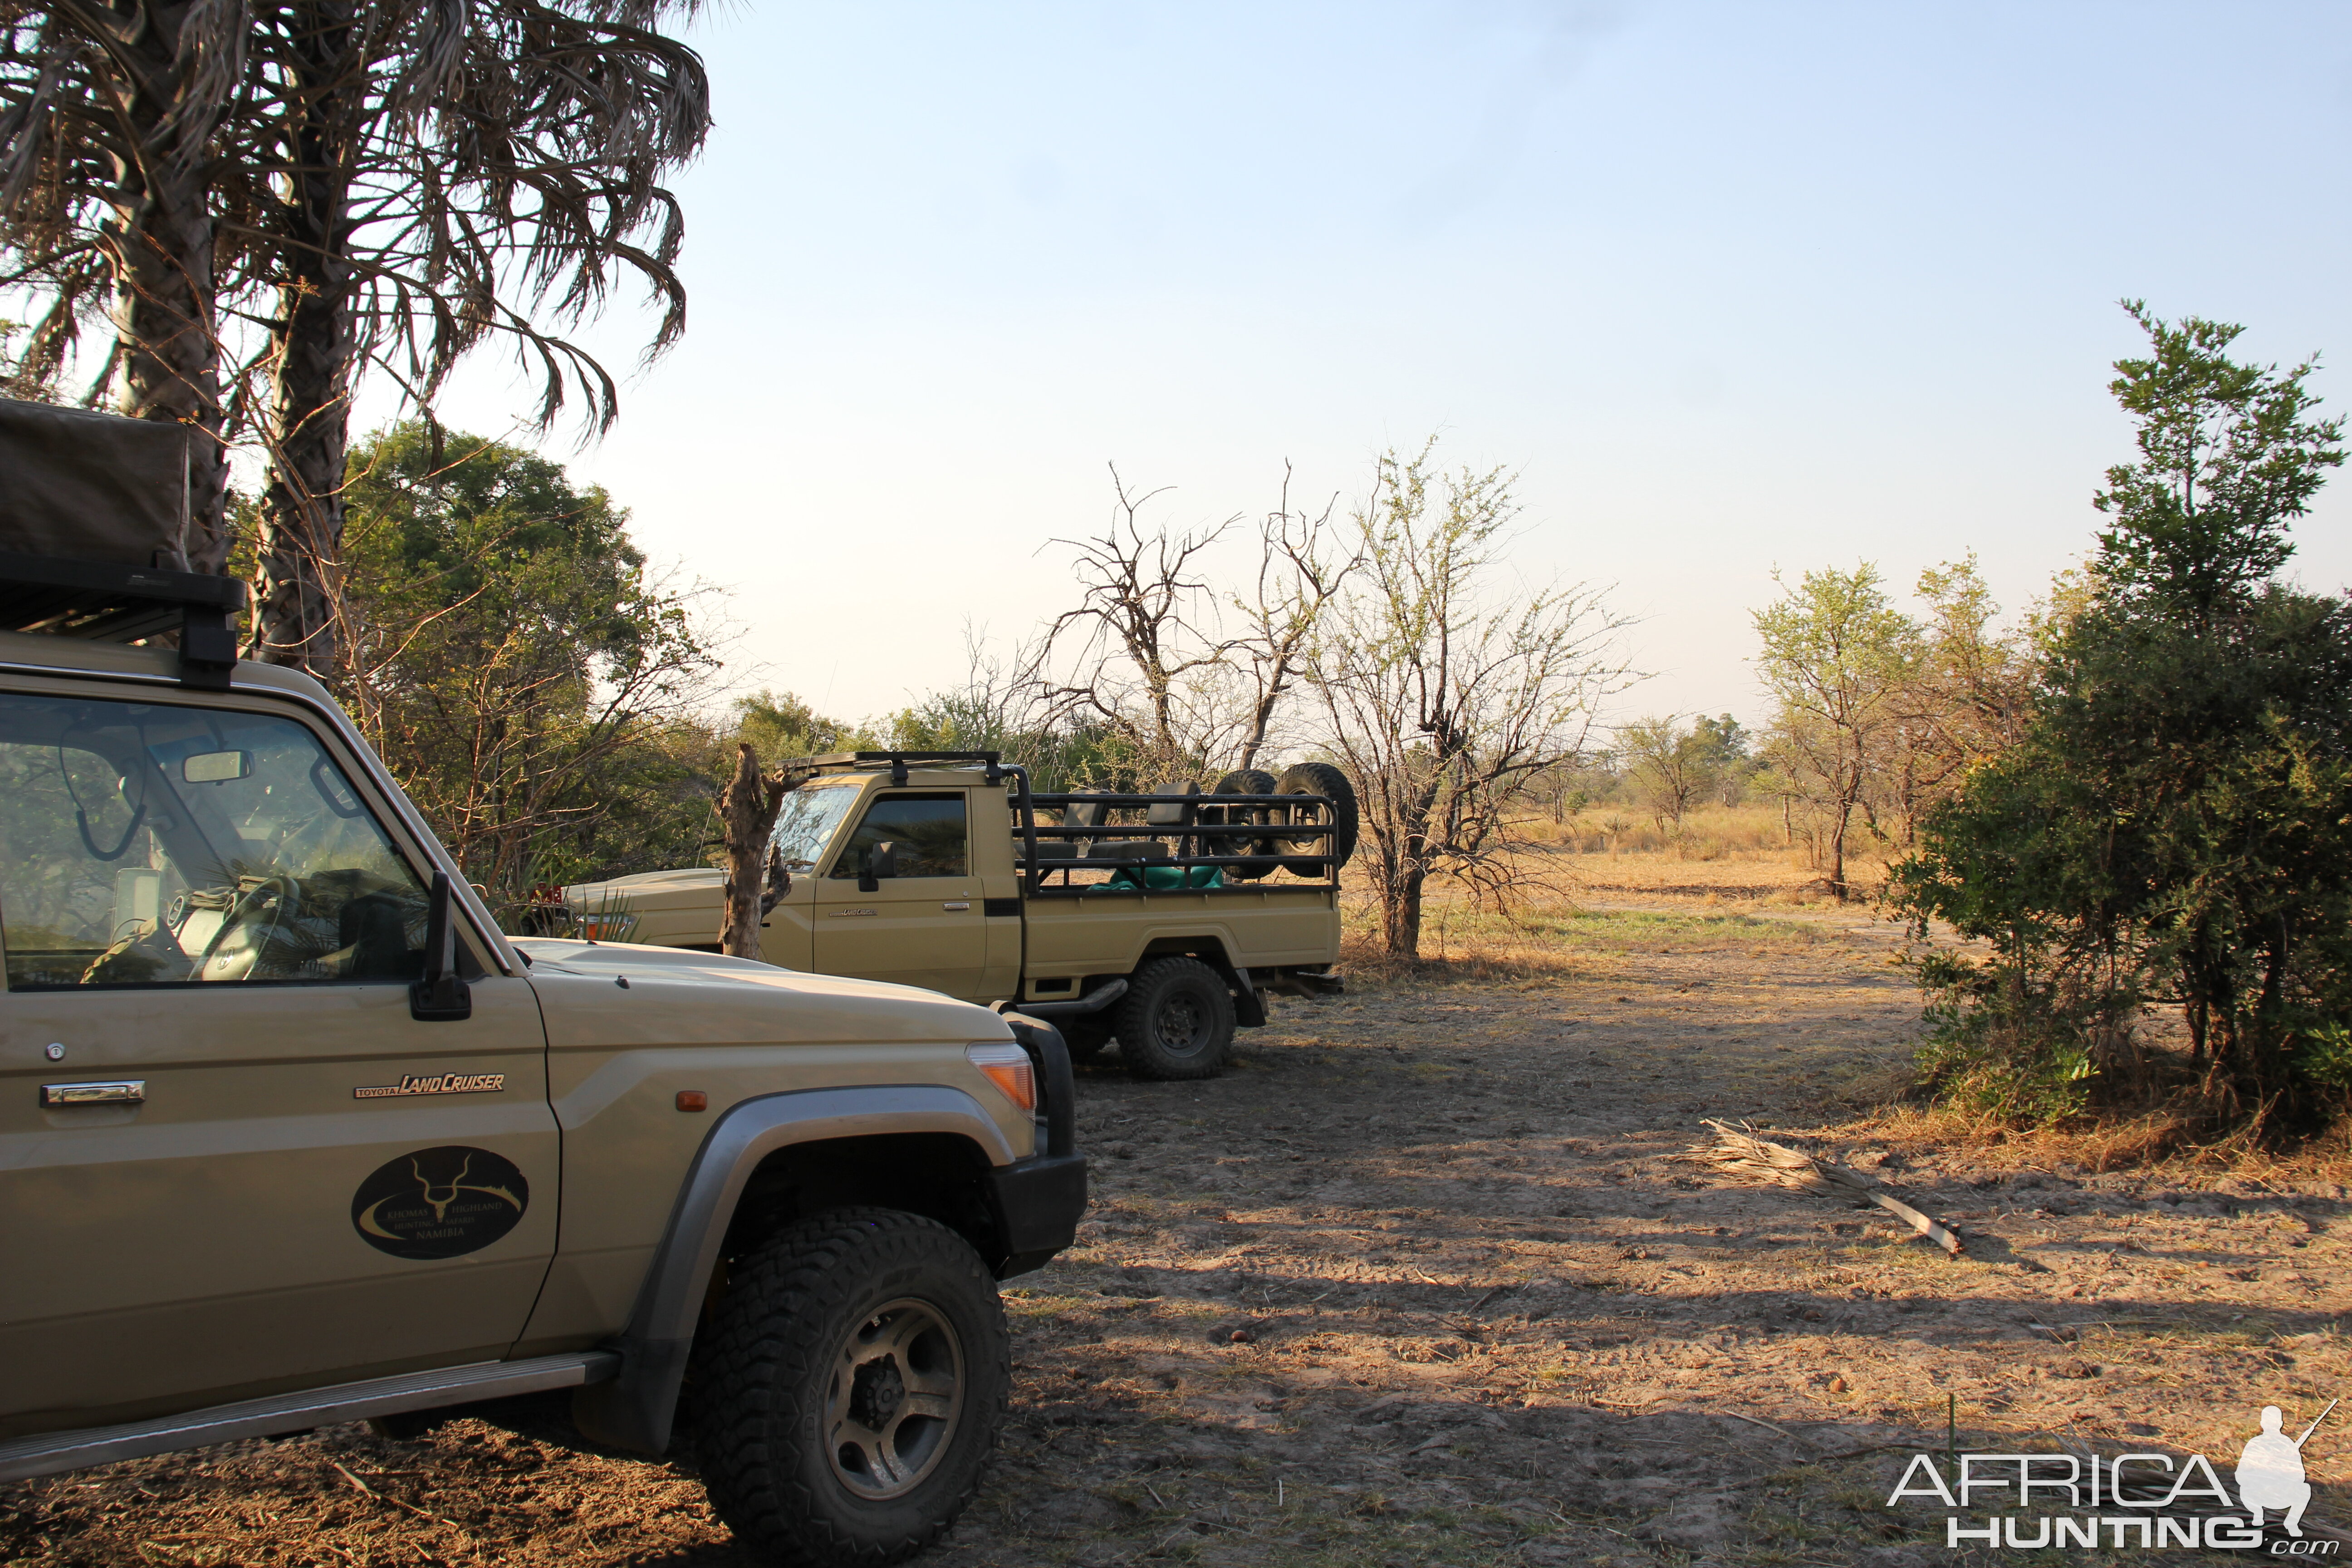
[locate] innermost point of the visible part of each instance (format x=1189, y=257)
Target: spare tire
x=1323, y=779
x=1245, y=781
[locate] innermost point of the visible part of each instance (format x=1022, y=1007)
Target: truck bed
x=1108, y=930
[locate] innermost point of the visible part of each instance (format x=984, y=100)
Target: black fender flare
x=635, y=1409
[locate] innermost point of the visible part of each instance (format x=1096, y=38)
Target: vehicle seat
x=1076, y=814
x=1175, y=813
x=1127, y=849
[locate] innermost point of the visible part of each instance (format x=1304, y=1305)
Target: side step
x=1094, y=1000
x=55, y=1451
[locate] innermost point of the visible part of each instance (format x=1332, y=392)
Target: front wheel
x=851, y=1391
x=1176, y=1021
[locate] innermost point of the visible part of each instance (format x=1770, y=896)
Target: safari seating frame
x=1195, y=841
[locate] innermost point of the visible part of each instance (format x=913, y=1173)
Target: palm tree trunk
x=296, y=619
x=160, y=246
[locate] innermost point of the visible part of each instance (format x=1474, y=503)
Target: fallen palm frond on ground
x=1746, y=1156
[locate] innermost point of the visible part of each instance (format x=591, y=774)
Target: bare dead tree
x=1300, y=573
x=1138, y=632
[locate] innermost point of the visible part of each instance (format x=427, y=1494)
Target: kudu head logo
x=440, y=1203
x=441, y=1194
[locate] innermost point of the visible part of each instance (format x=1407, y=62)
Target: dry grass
x=1579, y=905
x=1426, y=1280
x=2162, y=1146
x=1707, y=833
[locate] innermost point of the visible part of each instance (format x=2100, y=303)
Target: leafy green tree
x=1446, y=692
x=2175, y=823
x=1962, y=699
x=1836, y=656
x=527, y=676
x=1670, y=765
x=1727, y=748
x=2228, y=457
x=780, y=726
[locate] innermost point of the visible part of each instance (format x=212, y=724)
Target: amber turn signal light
x=1007, y=1067
x=693, y=1099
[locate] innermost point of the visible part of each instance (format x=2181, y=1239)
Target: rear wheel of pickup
x=1176, y=1021
x=852, y=1388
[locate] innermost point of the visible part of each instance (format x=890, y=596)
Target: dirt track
x=1422, y=1281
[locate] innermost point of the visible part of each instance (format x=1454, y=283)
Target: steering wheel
x=274, y=900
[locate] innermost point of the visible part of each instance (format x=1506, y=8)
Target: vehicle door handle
x=961, y=906
x=125, y=1091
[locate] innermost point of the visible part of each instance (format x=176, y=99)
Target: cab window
x=929, y=830
x=153, y=844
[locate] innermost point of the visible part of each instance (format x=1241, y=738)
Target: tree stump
x=747, y=813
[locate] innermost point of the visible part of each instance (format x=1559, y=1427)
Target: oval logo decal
x=439, y=1203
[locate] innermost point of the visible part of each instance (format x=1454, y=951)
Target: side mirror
x=441, y=997
x=880, y=861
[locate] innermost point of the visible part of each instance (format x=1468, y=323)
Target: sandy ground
x=1425, y=1279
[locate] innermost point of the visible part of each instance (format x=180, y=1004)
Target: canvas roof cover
x=92, y=487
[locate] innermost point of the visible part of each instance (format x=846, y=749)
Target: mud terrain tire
x=1245, y=781
x=1319, y=778
x=818, y=1446
x=1176, y=1021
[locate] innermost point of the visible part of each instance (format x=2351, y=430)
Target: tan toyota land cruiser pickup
x=292, y=1134
x=1159, y=918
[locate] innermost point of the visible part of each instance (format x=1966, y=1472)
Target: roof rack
x=898, y=761
x=102, y=601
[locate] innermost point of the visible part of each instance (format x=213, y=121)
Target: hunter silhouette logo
x=439, y=1203
x=2147, y=1499
x=2270, y=1470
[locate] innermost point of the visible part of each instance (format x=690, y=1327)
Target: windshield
x=154, y=844
x=804, y=827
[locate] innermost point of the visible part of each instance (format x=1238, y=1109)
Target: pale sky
x=1730, y=286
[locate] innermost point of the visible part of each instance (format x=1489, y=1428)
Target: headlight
x=610, y=925
x=1007, y=1067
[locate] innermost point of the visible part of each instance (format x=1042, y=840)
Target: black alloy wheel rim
x=1181, y=1024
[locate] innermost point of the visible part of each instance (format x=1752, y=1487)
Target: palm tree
x=110, y=114
x=448, y=176
x=284, y=196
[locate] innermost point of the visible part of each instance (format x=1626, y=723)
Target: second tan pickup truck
x=1159, y=920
